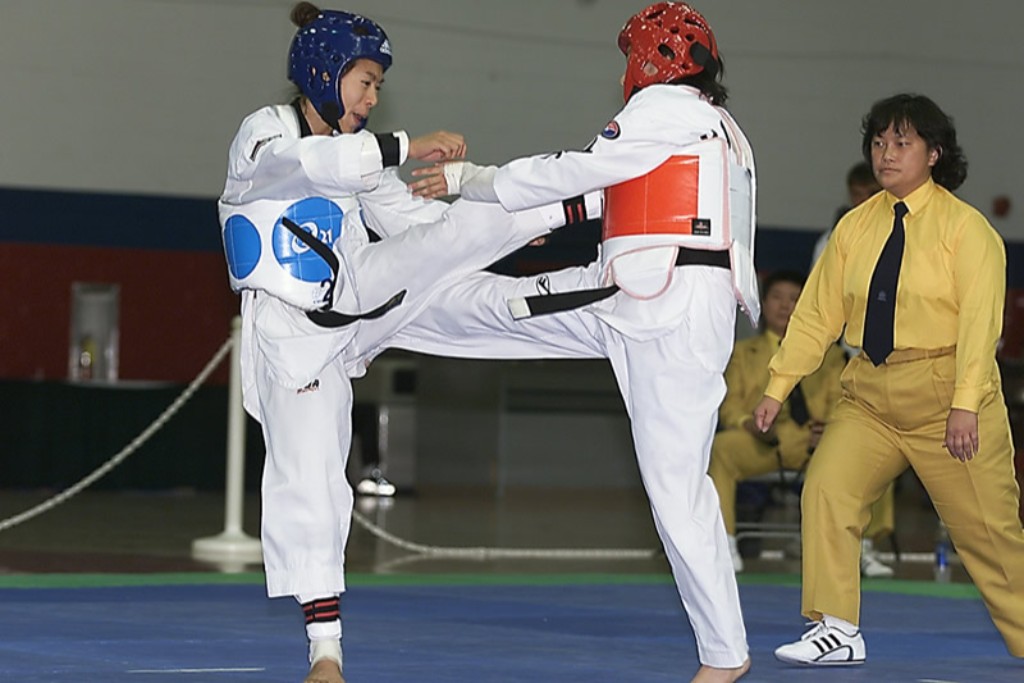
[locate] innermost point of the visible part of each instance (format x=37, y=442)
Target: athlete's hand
x=437, y=146
x=961, y=434
x=432, y=183
x=766, y=412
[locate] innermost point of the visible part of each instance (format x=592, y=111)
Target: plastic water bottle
x=942, y=550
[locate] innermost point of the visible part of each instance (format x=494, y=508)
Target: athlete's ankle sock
x=323, y=627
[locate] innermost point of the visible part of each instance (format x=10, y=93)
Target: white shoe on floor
x=870, y=566
x=737, y=559
x=374, y=484
x=825, y=645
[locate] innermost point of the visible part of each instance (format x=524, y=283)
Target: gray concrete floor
x=126, y=532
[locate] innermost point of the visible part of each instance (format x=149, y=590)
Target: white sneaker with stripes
x=825, y=644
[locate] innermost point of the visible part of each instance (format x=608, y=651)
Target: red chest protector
x=665, y=201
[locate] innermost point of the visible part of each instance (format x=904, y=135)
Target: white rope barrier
x=234, y=544
x=483, y=553
x=120, y=457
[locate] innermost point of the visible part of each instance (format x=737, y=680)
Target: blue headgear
x=323, y=48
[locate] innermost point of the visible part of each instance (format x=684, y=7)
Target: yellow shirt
x=951, y=290
x=747, y=374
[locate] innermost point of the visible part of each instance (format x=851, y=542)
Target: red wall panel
x=176, y=309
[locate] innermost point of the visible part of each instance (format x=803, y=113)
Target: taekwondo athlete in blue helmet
x=308, y=186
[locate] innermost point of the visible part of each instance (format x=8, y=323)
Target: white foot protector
x=325, y=648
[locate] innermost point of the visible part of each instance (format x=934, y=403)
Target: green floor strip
x=899, y=586
x=28, y=581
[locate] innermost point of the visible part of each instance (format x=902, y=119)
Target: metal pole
x=235, y=484
x=232, y=547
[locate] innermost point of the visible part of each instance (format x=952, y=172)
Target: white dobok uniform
x=295, y=373
x=668, y=331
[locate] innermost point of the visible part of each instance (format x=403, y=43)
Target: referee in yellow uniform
x=918, y=277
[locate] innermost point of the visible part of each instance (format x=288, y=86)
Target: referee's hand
x=766, y=412
x=961, y=434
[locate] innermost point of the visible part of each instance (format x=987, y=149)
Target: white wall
x=144, y=95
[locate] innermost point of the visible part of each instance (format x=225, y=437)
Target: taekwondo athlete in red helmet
x=308, y=189
x=659, y=303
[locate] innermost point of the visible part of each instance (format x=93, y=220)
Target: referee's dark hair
x=933, y=125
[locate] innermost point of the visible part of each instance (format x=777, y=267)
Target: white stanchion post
x=232, y=546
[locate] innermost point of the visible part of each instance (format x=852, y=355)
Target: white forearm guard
x=475, y=183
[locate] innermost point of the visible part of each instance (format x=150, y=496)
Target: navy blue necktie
x=798, y=406
x=880, y=317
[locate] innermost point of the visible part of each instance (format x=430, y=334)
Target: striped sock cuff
x=319, y=611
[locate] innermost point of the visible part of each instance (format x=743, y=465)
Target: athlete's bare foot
x=326, y=670
x=709, y=674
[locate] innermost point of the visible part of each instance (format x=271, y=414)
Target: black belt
x=543, y=304
x=325, y=317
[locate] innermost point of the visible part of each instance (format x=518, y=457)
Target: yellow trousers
x=736, y=455
x=896, y=416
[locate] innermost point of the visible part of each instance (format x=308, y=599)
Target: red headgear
x=671, y=37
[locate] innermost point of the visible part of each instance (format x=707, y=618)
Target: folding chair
x=783, y=483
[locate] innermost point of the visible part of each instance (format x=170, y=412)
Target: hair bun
x=304, y=13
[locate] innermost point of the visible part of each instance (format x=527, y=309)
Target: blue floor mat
x=466, y=634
